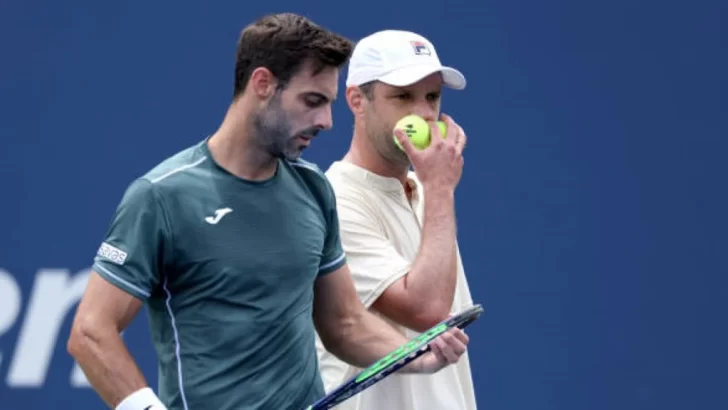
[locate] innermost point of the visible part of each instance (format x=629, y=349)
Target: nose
x=426, y=111
x=324, y=119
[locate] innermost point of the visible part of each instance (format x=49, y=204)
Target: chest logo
x=219, y=213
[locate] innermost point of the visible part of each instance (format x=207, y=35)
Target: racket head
x=397, y=359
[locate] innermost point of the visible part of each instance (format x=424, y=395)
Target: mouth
x=306, y=137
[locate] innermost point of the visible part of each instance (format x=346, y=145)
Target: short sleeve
x=131, y=254
x=333, y=253
x=374, y=261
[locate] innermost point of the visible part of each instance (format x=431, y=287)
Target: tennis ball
x=417, y=130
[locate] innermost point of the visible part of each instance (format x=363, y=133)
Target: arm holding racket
x=401, y=358
x=360, y=338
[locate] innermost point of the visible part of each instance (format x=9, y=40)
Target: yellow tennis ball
x=417, y=130
x=443, y=128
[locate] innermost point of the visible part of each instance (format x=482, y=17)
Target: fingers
x=454, y=133
x=460, y=140
x=452, y=128
x=461, y=336
x=436, y=138
x=450, y=346
x=404, y=141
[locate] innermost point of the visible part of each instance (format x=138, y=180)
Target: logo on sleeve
x=112, y=254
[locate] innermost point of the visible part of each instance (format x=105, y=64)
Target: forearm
x=107, y=364
x=364, y=339
x=432, y=279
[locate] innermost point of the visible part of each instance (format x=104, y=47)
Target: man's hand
x=440, y=165
x=444, y=350
x=360, y=338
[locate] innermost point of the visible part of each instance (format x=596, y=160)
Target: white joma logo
x=218, y=215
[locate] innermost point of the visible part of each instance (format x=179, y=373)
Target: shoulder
x=354, y=185
x=307, y=170
x=337, y=174
x=311, y=175
x=178, y=173
x=172, y=173
x=139, y=189
x=357, y=196
x=173, y=169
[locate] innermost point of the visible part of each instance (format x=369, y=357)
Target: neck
x=235, y=148
x=363, y=154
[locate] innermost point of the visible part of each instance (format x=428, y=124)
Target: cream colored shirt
x=381, y=232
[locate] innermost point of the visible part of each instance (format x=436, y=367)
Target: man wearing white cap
x=398, y=226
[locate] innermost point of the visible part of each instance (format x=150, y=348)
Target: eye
x=314, y=100
x=434, y=97
x=403, y=96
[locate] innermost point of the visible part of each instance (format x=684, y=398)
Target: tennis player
x=398, y=226
x=233, y=244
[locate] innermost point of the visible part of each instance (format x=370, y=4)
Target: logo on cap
x=420, y=48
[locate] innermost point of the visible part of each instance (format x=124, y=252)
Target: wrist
x=142, y=399
x=438, y=191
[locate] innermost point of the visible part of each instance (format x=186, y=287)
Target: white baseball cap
x=398, y=58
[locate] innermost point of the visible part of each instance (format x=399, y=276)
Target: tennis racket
x=395, y=360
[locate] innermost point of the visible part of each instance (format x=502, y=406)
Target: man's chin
x=295, y=148
x=293, y=153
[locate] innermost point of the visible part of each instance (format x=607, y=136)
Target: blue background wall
x=592, y=208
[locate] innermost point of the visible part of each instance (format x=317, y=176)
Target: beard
x=382, y=138
x=274, y=130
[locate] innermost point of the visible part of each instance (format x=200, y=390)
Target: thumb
x=404, y=141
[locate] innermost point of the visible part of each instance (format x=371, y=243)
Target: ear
x=263, y=83
x=355, y=99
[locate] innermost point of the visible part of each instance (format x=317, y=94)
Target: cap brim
x=409, y=75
